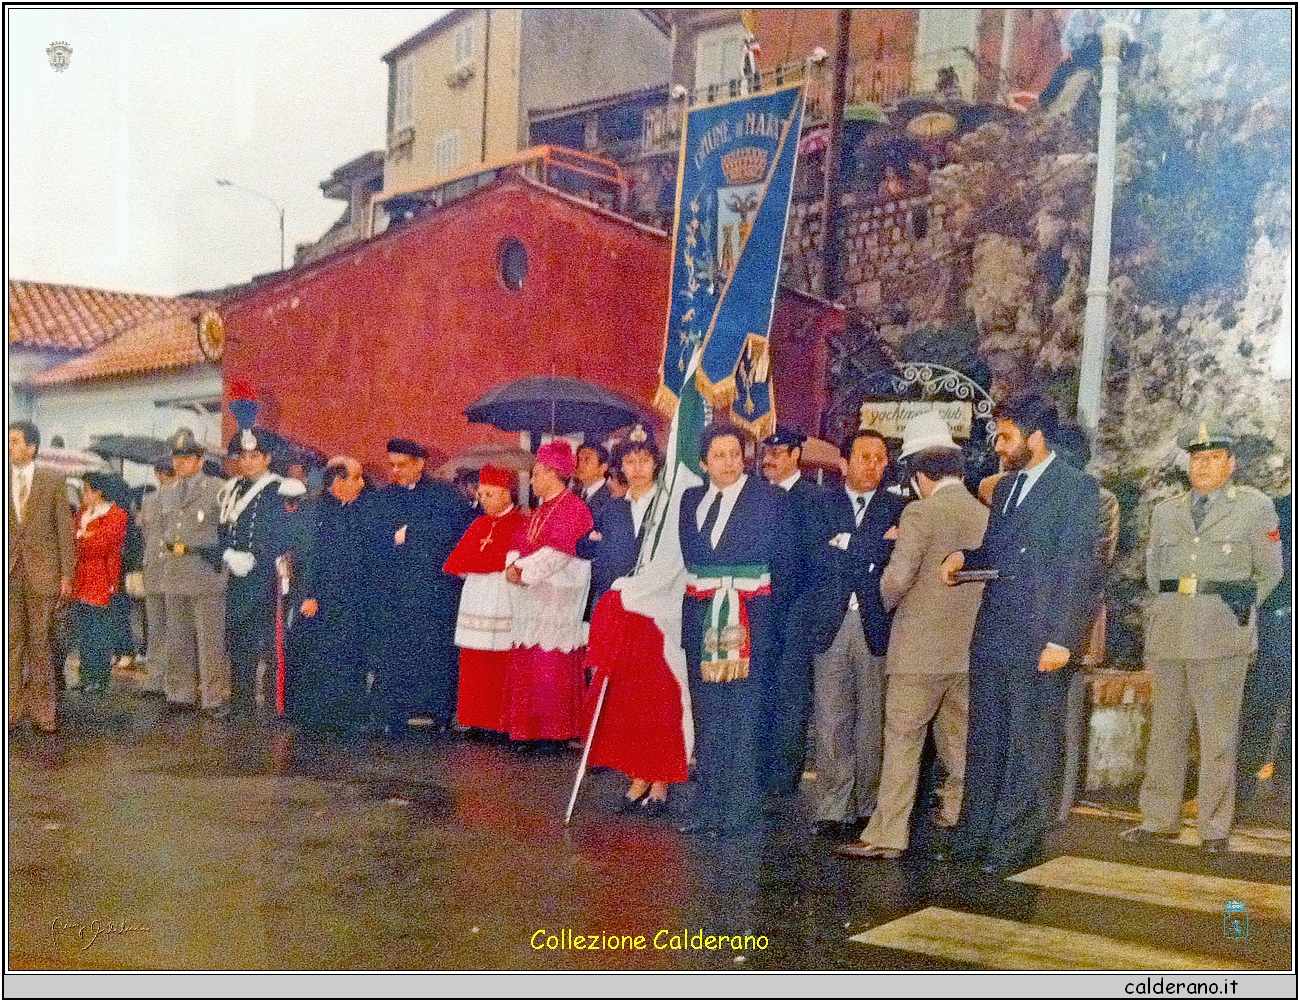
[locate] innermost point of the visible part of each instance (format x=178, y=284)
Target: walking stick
x=586, y=750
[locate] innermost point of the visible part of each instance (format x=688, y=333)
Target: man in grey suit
x=155, y=606
x=42, y=560
x=193, y=584
x=928, y=662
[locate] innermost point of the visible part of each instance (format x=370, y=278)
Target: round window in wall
x=512, y=264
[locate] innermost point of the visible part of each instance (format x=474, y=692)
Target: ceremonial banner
x=733, y=195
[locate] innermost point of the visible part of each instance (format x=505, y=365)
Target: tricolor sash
x=726, y=652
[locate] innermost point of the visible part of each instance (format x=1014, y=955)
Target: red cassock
x=483, y=619
x=544, y=682
x=640, y=728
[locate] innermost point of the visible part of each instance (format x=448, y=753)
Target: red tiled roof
x=159, y=345
x=73, y=318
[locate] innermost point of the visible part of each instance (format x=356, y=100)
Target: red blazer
x=99, y=556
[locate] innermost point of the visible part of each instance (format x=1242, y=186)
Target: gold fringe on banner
x=719, y=395
x=760, y=429
x=665, y=401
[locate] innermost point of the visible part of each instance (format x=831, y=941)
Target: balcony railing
x=869, y=81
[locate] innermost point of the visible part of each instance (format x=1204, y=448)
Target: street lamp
x=1117, y=29
x=267, y=198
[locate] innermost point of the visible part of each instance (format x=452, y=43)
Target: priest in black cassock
x=415, y=523
x=333, y=560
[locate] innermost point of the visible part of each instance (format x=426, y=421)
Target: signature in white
x=88, y=933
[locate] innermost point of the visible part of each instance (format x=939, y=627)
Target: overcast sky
x=112, y=163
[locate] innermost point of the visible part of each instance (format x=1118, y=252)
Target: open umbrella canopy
x=133, y=448
x=556, y=404
x=70, y=462
x=819, y=453
x=508, y=457
x=291, y=452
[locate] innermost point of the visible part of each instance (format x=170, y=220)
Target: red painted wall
x=802, y=328
x=398, y=335
x=395, y=337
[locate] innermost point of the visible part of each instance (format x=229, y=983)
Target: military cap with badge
x=1205, y=435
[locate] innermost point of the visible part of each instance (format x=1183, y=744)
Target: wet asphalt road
x=144, y=840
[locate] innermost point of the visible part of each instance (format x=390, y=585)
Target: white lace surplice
x=546, y=610
x=483, y=620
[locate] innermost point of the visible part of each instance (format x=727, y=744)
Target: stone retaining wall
x=896, y=253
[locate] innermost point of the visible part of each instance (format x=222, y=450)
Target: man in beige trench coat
x=928, y=662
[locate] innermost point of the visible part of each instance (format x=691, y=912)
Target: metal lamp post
x=1093, y=351
x=266, y=198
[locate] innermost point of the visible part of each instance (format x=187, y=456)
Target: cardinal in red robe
x=544, y=676
x=483, y=618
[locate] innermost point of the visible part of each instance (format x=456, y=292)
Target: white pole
x=586, y=750
x=1004, y=57
x=1093, y=353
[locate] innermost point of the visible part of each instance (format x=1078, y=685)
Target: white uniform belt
x=728, y=583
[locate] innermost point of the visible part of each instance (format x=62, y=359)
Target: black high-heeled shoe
x=652, y=808
x=626, y=804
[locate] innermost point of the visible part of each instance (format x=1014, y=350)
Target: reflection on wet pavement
x=140, y=839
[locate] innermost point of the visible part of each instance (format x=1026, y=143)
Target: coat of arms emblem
x=746, y=173
x=60, y=54
x=212, y=336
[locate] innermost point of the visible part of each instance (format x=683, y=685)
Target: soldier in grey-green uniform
x=155, y=608
x=193, y=582
x=1213, y=556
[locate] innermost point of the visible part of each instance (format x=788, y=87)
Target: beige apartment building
x=459, y=91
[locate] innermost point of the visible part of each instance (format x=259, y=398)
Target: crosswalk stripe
x=1173, y=889
x=1259, y=841
x=1013, y=946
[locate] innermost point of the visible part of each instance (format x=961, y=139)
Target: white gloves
x=240, y=562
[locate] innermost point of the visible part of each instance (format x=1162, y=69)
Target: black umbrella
x=555, y=404
x=133, y=448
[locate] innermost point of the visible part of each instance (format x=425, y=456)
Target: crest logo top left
x=60, y=54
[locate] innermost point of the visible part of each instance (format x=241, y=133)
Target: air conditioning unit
x=460, y=76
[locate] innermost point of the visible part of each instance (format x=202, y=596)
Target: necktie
x=1019, y=482
x=1200, y=503
x=20, y=499
x=711, y=518
x=859, y=509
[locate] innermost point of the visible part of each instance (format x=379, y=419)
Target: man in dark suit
x=331, y=559
x=415, y=522
x=847, y=629
x=42, y=561
x=1030, y=633
x=592, y=478
x=736, y=547
x=592, y=475
x=787, y=700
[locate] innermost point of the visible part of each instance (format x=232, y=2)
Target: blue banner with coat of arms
x=733, y=195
